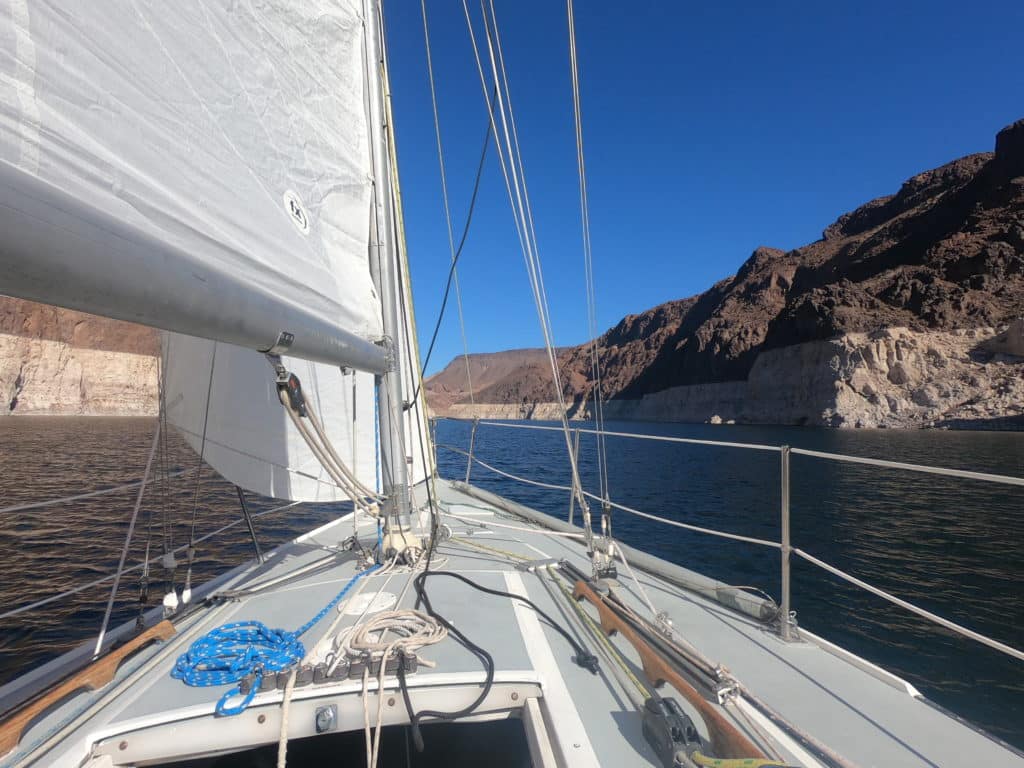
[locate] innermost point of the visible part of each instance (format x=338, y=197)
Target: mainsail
x=199, y=167
x=208, y=169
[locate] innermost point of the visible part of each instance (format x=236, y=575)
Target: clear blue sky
x=710, y=128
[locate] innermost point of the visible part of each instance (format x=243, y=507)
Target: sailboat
x=226, y=172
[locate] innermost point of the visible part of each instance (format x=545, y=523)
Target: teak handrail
x=96, y=675
x=726, y=739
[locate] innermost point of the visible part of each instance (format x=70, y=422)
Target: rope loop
x=234, y=651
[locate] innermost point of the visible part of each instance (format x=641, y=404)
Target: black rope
x=583, y=657
x=462, y=243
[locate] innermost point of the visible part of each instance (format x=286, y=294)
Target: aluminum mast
x=385, y=274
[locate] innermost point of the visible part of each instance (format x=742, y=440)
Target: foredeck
x=866, y=716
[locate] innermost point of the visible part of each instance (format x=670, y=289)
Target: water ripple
x=953, y=547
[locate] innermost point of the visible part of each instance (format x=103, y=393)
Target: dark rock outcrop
x=945, y=253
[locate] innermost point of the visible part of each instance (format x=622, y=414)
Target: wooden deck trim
x=96, y=675
x=726, y=739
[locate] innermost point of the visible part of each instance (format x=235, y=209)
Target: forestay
x=200, y=167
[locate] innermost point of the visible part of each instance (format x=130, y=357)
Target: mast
x=385, y=274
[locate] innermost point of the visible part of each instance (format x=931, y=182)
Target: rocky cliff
x=58, y=362
x=903, y=314
x=884, y=321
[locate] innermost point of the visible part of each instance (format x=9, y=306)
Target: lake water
x=954, y=547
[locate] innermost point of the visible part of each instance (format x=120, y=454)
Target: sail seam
x=24, y=85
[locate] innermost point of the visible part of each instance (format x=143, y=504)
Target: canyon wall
x=890, y=378
x=888, y=319
x=58, y=362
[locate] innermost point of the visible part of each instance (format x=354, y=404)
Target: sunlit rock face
x=58, y=362
x=906, y=312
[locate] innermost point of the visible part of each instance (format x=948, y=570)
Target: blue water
x=49, y=550
x=951, y=546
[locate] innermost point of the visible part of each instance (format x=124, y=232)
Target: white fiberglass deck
x=868, y=717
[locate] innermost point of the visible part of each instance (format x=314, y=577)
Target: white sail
x=200, y=167
x=249, y=438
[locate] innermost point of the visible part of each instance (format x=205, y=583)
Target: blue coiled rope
x=234, y=651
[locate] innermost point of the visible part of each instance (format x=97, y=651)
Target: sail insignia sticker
x=296, y=212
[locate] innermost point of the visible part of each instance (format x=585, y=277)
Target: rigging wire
x=127, y=543
x=144, y=576
x=515, y=153
x=80, y=496
x=444, y=195
x=588, y=262
x=166, y=507
x=190, y=552
x=202, y=444
x=493, y=36
x=512, y=171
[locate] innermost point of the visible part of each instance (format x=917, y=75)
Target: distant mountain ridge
x=943, y=254
x=891, y=319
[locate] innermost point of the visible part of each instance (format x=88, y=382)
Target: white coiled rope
x=412, y=630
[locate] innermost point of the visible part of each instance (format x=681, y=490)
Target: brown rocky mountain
x=57, y=361
x=43, y=322
x=891, y=319
x=942, y=261
x=491, y=374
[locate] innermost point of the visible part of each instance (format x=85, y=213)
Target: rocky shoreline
x=891, y=378
x=56, y=362
x=888, y=320
x=40, y=377
x=908, y=312
x=894, y=378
